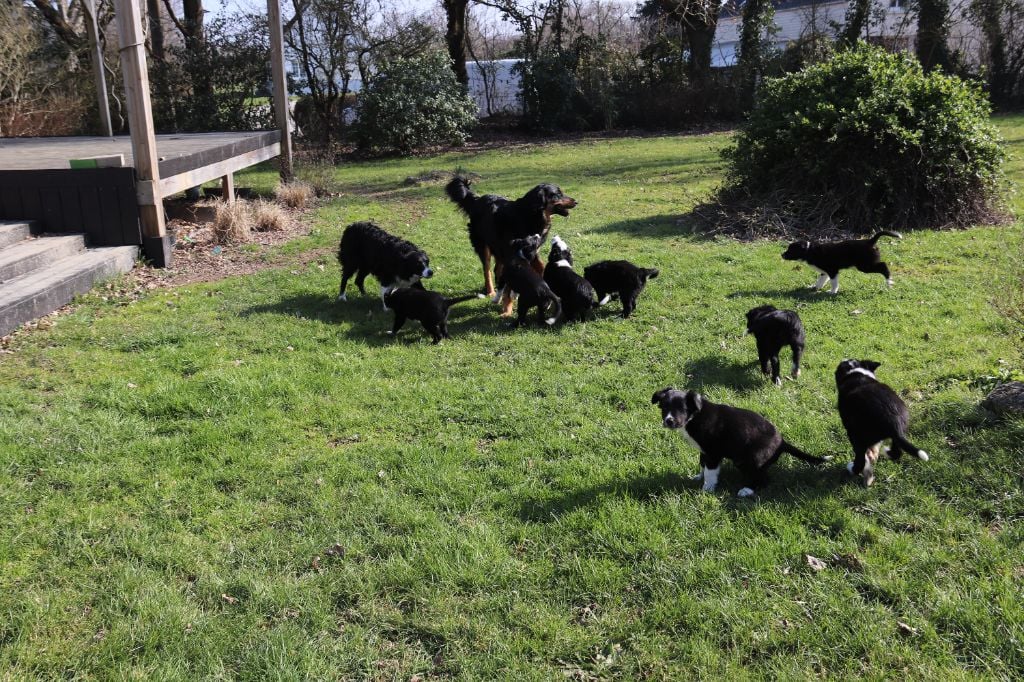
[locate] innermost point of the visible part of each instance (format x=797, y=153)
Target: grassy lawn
x=246, y=480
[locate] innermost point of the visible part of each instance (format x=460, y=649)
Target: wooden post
x=227, y=188
x=280, y=84
x=140, y=121
x=96, y=57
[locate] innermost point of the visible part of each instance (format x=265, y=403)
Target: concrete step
x=42, y=291
x=13, y=231
x=24, y=257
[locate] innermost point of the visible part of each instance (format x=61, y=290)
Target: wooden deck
x=36, y=182
x=38, y=153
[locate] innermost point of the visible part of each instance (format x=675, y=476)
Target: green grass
x=507, y=504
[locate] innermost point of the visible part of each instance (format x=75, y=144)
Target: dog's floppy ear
x=537, y=198
x=694, y=401
x=870, y=365
x=660, y=395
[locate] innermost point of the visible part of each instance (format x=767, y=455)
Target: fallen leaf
x=315, y=563
x=289, y=348
x=382, y=474
x=131, y=385
x=228, y=598
x=856, y=312
x=335, y=550
x=815, y=563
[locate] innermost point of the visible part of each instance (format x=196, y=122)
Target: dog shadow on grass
x=363, y=319
x=792, y=484
x=715, y=370
x=800, y=293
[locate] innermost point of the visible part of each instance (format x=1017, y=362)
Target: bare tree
x=699, y=19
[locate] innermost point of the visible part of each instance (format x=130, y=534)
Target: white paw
x=389, y=333
x=341, y=298
x=698, y=477
x=778, y=381
x=745, y=492
x=849, y=467
x=796, y=372
x=607, y=297
x=551, y=320
x=888, y=284
x=922, y=455
x=709, y=487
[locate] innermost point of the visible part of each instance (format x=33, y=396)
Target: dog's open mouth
x=562, y=207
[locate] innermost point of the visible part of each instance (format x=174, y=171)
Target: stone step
x=42, y=291
x=14, y=231
x=33, y=254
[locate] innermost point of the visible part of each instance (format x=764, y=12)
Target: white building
x=495, y=86
x=891, y=23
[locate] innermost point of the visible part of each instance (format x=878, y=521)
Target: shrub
x=413, y=103
x=232, y=222
x=868, y=140
x=269, y=217
x=295, y=194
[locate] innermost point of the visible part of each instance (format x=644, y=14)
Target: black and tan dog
x=366, y=249
x=495, y=221
x=828, y=258
x=871, y=413
x=576, y=293
x=428, y=307
x=725, y=432
x=773, y=330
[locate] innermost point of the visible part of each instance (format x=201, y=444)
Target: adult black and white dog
x=872, y=413
x=828, y=258
x=576, y=293
x=619, y=278
x=774, y=329
x=520, y=281
x=366, y=249
x=725, y=432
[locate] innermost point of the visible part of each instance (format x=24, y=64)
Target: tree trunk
x=757, y=15
x=699, y=19
x=455, y=37
x=856, y=20
x=933, y=34
x=156, y=30
x=991, y=13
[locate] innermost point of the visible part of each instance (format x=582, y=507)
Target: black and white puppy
x=724, y=432
x=428, y=307
x=773, y=329
x=576, y=293
x=619, y=278
x=366, y=249
x=872, y=413
x=828, y=258
x=521, y=281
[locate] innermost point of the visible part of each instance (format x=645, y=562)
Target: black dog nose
x=670, y=421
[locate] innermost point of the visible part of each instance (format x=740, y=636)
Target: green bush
x=868, y=140
x=413, y=103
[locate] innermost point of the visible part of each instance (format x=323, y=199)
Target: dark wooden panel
x=98, y=201
x=182, y=164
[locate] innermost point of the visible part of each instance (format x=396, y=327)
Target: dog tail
x=886, y=233
x=449, y=302
x=800, y=454
x=558, y=310
x=458, y=191
x=908, y=447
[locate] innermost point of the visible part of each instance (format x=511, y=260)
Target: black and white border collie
x=828, y=258
x=576, y=293
x=872, y=413
x=428, y=307
x=366, y=249
x=619, y=278
x=773, y=329
x=724, y=432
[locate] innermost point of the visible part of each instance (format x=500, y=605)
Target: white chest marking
x=563, y=264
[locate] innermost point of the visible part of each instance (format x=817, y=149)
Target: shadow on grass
x=657, y=227
x=365, y=320
x=801, y=293
x=794, y=484
x=717, y=371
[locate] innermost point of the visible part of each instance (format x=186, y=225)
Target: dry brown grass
x=295, y=194
x=232, y=222
x=269, y=217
